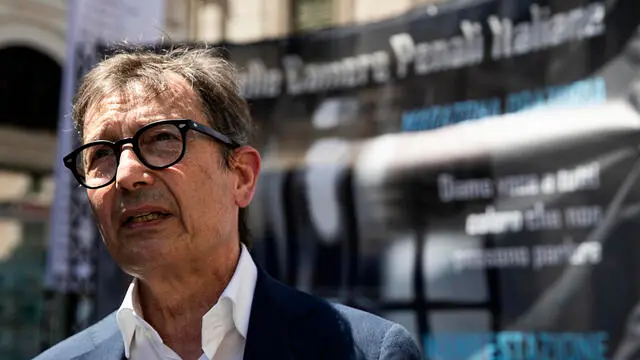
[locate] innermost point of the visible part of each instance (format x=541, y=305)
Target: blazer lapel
x=272, y=323
x=265, y=337
x=107, y=341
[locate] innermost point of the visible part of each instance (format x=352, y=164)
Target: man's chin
x=143, y=252
x=147, y=266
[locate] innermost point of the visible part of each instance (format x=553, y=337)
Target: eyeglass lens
x=159, y=146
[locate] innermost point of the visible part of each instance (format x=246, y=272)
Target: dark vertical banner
x=469, y=170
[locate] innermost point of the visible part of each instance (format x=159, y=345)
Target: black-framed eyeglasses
x=157, y=145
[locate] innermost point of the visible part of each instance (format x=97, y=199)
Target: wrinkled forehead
x=121, y=111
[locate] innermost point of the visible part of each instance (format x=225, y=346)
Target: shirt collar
x=239, y=292
x=127, y=315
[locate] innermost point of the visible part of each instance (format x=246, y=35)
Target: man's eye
x=98, y=154
x=96, y=158
x=165, y=136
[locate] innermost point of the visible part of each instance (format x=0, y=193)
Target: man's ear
x=245, y=162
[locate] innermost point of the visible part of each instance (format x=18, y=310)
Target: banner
x=469, y=170
x=521, y=240
x=72, y=254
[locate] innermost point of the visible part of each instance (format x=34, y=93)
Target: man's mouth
x=146, y=217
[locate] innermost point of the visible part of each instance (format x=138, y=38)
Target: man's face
x=172, y=217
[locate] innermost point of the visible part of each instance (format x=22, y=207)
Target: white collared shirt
x=224, y=326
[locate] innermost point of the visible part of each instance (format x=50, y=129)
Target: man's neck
x=175, y=305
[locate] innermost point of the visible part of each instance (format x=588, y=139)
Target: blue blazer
x=285, y=324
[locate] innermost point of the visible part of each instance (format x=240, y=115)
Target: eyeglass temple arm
x=214, y=134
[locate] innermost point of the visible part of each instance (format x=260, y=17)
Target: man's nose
x=131, y=172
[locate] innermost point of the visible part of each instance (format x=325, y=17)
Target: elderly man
x=168, y=171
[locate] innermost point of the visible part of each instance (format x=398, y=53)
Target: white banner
x=92, y=23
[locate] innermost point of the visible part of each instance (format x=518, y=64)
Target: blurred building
x=32, y=52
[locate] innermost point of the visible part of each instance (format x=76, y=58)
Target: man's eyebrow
x=102, y=133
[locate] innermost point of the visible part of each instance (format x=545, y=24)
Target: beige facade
x=39, y=25
x=244, y=21
x=42, y=23
x=371, y=10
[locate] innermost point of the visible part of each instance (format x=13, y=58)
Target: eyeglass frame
x=183, y=125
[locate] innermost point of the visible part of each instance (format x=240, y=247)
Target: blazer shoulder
x=85, y=341
x=354, y=315
x=366, y=327
x=378, y=338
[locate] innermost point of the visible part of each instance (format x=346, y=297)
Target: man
x=168, y=171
